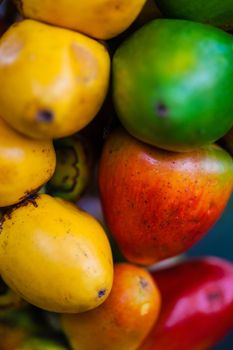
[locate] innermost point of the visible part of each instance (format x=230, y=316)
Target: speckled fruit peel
x=157, y=204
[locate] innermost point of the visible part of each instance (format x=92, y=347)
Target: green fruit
x=173, y=84
x=40, y=344
x=216, y=12
x=73, y=168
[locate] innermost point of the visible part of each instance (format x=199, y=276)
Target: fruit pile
x=126, y=105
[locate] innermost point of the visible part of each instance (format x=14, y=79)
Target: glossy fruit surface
x=61, y=262
x=123, y=320
x=157, y=204
x=197, y=306
x=53, y=80
x=217, y=13
x=170, y=94
x=25, y=164
x=73, y=170
x=102, y=19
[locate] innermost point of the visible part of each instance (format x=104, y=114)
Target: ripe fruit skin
x=123, y=320
x=182, y=98
x=217, y=13
x=74, y=168
x=156, y=203
x=61, y=262
x=25, y=164
x=102, y=19
x=197, y=306
x=53, y=80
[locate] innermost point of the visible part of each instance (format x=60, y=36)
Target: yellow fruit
x=25, y=164
x=53, y=80
x=102, y=19
x=55, y=256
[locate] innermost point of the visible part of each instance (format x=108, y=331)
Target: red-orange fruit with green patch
x=157, y=204
x=124, y=320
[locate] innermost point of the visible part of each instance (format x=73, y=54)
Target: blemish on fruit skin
x=2, y=220
x=102, y=293
x=45, y=116
x=143, y=282
x=213, y=295
x=161, y=110
x=31, y=199
x=215, y=299
x=30, y=194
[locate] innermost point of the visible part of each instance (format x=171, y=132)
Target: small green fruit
x=73, y=169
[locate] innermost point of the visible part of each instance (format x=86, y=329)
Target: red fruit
x=197, y=309
x=157, y=203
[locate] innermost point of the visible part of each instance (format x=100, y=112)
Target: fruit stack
x=128, y=105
